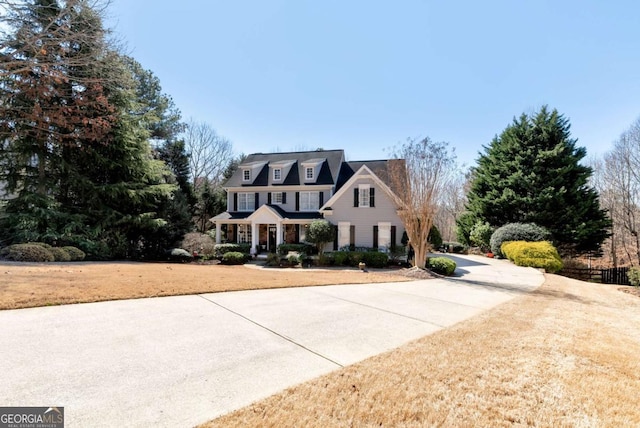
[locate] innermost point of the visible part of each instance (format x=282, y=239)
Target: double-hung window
x=276, y=198
x=309, y=201
x=246, y=175
x=277, y=174
x=246, y=201
x=364, y=195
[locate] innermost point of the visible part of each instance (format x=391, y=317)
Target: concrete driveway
x=180, y=361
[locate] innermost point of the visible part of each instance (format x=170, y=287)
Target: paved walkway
x=180, y=361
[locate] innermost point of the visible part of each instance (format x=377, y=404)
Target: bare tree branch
x=420, y=181
x=210, y=153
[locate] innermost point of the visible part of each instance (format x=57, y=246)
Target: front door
x=272, y=239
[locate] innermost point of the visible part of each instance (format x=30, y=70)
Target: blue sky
x=365, y=75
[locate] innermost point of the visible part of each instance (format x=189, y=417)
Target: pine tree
x=75, y=149
x=531, y=173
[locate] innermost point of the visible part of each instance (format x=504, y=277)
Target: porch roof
x=284, y=215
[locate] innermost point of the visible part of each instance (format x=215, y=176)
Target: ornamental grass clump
x=533, y=254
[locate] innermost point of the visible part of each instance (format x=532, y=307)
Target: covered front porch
x=264, y=229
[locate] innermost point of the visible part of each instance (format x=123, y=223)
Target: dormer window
x=246, y=174
x=310, y=167
x=277, y=174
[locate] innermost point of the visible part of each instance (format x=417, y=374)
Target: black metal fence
x=604, y=276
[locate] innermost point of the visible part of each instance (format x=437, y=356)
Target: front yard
x=24, y=285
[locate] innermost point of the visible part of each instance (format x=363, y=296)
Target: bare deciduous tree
x=419, y=182
x=210, y=153
x=452, y=204
x=617, y=177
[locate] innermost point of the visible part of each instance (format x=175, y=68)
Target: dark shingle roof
x=328, y=173
x=378, y=167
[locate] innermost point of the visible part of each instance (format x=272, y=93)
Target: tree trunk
x=42, y=171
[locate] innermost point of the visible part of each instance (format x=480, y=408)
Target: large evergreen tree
x=75, y=136
x=531, y=173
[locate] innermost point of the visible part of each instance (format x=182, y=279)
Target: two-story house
x=273, y=197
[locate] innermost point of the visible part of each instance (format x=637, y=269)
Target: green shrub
x=454, y=247
x=221, y=249
x=60, y=254
x=435, y=237
x=234, y=258
x=517, y=232
x=441, y=265
x=41, y=244
x=533, y=254
x=374, y=260
x=320, y=232
x=398, y=254
x=75, y=254
x=634, y=276
x=273, y=259
x=284, y=249
x=293, y=258
x=481, y=235
x=180, y=255
x=341, y=258
x=28, y=253
x=325, y=259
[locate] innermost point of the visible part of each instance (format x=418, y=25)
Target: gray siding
x=289, y=206
x=364, y=218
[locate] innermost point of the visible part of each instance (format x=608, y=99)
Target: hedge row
x=353, y=258
x=41, y=252
x=533, y=254
x=284, y=249
x=221, y=249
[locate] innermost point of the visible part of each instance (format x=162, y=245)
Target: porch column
x=218, y=232
x=254, y=237
x=278, y=233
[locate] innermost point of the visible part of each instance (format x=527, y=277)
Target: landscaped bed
x=24, y=285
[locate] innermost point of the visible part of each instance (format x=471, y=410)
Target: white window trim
x=344, y=234
x=279, y=170
x=249, y=201
x=274, y=200
x=244, y=233
x=308, y=207
x=384, y=236
x=313, y=173
x=244, y=174
x=364, y=202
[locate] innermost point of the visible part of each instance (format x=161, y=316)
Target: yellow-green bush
x=533, y=254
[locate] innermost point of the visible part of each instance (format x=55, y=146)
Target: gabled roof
x=379, y=167
x=364, y=170
x=331, y=162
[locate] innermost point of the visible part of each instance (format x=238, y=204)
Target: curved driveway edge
x=180, y=361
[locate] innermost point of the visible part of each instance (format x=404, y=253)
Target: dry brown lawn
x=565, y=355
x=28, y=285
